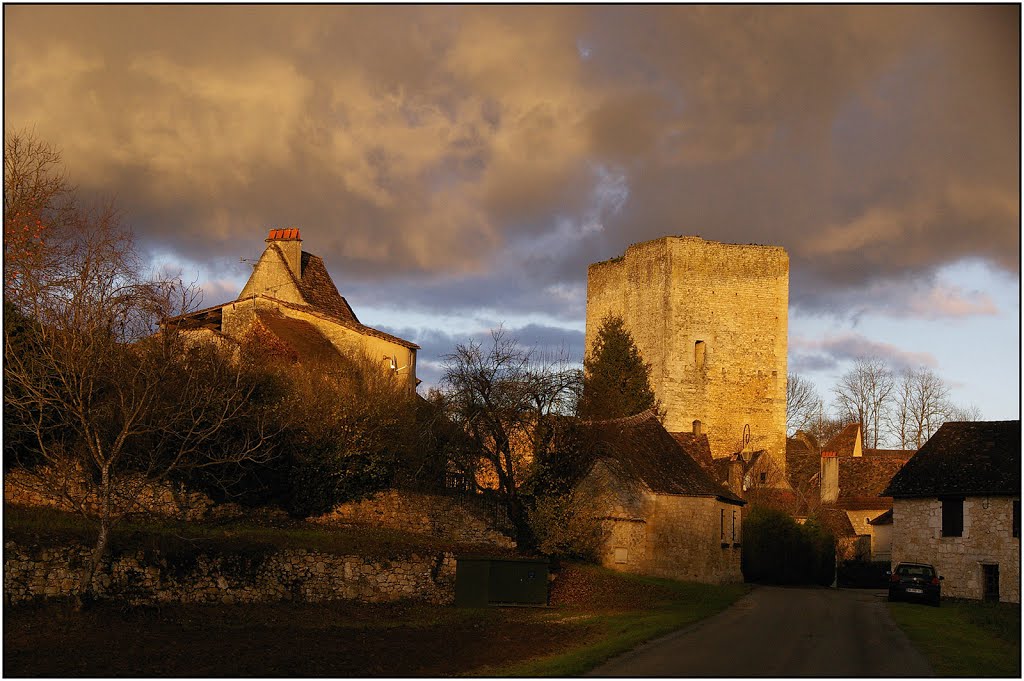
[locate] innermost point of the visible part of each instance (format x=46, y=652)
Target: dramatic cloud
x=464, y=160
x=923, y=297
x=867, y=140
x=806, y=355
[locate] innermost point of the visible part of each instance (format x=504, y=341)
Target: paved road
x=775, y=631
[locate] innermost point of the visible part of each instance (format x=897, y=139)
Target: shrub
x=777, y=550
x=566, y=526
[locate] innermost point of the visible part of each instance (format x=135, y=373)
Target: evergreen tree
x=617, y=381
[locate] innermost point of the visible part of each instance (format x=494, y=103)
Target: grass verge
x=965, y=638
x=643, y=608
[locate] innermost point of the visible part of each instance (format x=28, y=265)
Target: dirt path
x=776, y=631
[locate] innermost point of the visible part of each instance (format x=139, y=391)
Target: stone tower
x=711, y=319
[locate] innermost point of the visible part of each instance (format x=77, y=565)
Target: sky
x=458, y=167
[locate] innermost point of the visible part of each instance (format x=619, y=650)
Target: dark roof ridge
x=621, y=420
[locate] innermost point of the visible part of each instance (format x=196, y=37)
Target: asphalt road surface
x=776, y=631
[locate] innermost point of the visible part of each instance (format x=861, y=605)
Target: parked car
x=915, y=582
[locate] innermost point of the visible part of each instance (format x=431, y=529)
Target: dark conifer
x=616, y=379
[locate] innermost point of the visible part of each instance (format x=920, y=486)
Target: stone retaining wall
x=132, y=496
x=295, y=574
x=453, y=518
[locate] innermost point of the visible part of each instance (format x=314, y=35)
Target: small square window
x=621, y=555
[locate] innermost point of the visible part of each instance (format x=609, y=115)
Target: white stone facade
x=987, y=540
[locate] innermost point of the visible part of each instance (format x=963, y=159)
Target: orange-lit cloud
x=440, y=143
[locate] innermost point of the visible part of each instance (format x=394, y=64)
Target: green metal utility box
x=484, y=580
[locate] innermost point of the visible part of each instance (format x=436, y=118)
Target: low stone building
x=956, y=505
x=662, y=513
x=292, y=304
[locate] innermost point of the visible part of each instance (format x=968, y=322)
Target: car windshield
x=915, y=571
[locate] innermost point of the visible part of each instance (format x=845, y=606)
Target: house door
x=990, y=574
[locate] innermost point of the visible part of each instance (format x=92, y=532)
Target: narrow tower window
x=696, y=427
x=698, y=355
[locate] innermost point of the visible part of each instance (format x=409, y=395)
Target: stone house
x=850, y=480
x=292, y=304
x=663, y=515
x=956, y=505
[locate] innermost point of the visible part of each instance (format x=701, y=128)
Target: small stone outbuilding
x=956, y=505
x=663, y=514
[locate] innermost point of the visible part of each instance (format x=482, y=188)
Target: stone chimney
x=290, y=243
x=828, y=480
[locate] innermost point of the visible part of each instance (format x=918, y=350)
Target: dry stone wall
x=32, y=572
x=132, y=496
x=711, y=318
x=987, y=539
x=454, y=518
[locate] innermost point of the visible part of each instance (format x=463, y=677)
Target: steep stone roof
x=639, y=449
x=836, y=520
x=697, y=446
x=862, y=479
x=802, y=460
x=843, y=442
x=963, y=458
x=319, y=290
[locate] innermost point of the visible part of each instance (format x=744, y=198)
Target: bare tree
x=863, y=393
x=501, y=394
x=101, y=408
x=803, y=404
x=37, y=198
x=920, y=405
x=970, y=412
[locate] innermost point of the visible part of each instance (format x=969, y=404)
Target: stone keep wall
x=453, y=518
x=297, y=575
x=675, y=291
x=987, y=539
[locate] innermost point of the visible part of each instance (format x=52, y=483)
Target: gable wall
x=987, y=538
x=674, y=291
x=237, y=317
x=271, y=276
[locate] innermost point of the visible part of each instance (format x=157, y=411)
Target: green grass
x=51, y=528
x=965, y=638
x=676, y=605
